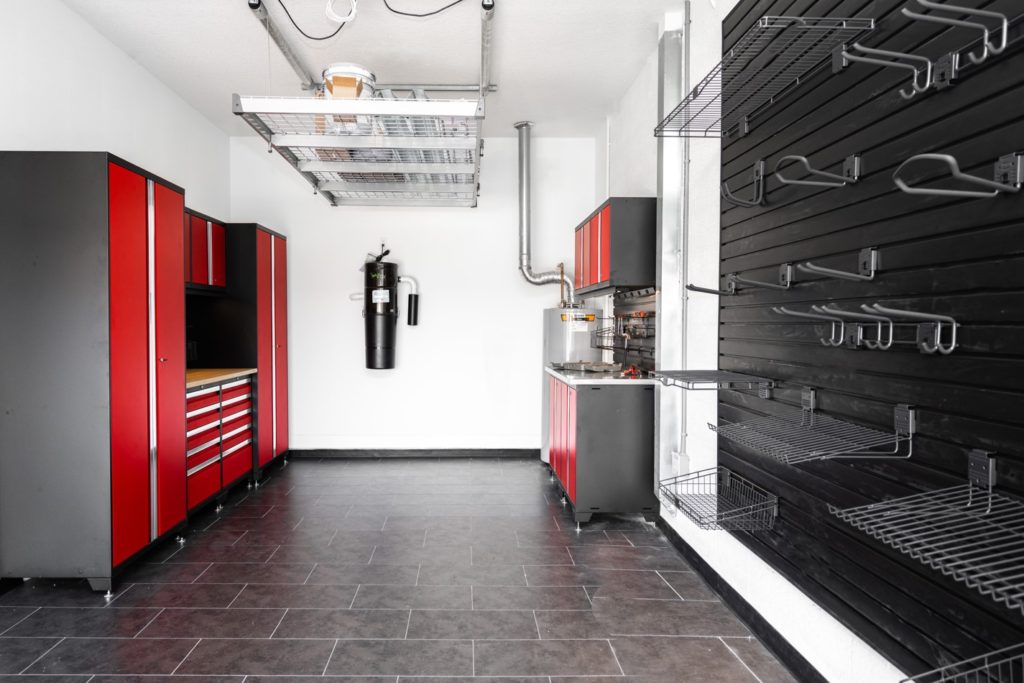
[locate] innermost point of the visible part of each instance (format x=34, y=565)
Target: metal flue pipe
x=486, y=31
x=547, y=277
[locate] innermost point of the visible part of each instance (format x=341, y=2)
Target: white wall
x=632, y=147
x=468, y=376
x=66, y=87
x=828, y=645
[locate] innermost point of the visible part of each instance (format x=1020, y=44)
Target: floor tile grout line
x=372, y=553
x=330, y=657
x=408, y=623
x=206, y=569
x=269, y=557
x=48, y=651
x=139, y=632
x=239, y=538
x=419, y=568
x=6, y=630
x=616, y=657
x=587, y=593
x=310, y=574
x=740, y=659
x=279, y=622
x=537, y=624
x=193, y=649
x=240, y=591
x=354, y=596
x=298, y=523
x=662, y=577
x=473, y=647
x=471, y=602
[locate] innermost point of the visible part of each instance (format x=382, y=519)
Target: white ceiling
x=561, y=63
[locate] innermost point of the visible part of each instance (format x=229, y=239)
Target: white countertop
x=577, y=378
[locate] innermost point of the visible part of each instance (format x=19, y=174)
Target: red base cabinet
x=92, y=430
x=602, y=445
x=220, y=436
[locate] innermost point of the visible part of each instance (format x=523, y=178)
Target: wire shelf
x=711, y=379
x=774, y=56
x=1001, y=666
x=968, y=533
x=376, y=151
x=718, y=498
x=804, y=435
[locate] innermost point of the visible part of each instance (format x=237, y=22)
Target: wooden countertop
x=199, y=377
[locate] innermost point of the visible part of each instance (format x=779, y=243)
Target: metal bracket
x=987, y=46
x=786, y=279
x=905, y=420
x=730, y=289
x=868, y=263
x=929, y=328
x=1009, y=176
x=947, y=70
x=808, y=399
x=758, y=188
x=850, y=175
x=842, y=56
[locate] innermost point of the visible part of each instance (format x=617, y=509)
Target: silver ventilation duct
x=551, y=276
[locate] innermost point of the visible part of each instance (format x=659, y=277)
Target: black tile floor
x=366, y=571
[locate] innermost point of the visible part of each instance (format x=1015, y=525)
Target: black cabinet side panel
x=959, y=257
x=54, y=377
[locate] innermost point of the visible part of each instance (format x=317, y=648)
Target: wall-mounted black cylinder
x=414, y=309
x=381, y=312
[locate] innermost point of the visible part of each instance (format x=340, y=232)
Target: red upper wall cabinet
x=616, y=245
x=205, y=251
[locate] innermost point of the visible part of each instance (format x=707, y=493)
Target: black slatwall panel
x=963, y=258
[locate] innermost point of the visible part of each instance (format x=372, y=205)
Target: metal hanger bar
x=833, y=179
x=1004, y=22
x=880, y=58
x=758, y=188
x=730, y=289
x=955, y=172
x=955, y=22
x=869, y=262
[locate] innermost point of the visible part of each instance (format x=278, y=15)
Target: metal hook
x=785, y=279
x=851, y=172
x=873, y=58
x=876, y=344
x=987, y=44
x=730, y=289
x=758, y=188
x=833, y=340
x=1008, y=166
x=923, y=342
x=868, y=261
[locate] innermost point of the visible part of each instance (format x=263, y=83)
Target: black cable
x=299, y=28
x=428, y=14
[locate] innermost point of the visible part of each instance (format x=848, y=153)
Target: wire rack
x=711, y=379
x=1001, y=666
x=774, y=56
x=803, y=435
x=376, y=151
x=718, y=498
x=969, y=532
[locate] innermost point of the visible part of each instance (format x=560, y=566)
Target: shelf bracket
x=867, y=263
x=1009, y=176
x=842, y=57
x=851, y=172
x=758, y=188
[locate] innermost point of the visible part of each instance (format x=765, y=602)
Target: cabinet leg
x=582, y=518
x=651, y=517
x=180, y=540
x=103, y=585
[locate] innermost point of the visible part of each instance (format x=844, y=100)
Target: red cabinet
x=562, y=435
x=272, y=346
x=220, y=434
x=205, y=248
x=616, y=244
x=147, y=360
x=570, y=446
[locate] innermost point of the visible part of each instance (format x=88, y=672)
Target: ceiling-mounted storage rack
x=702, y=380
x=376, y=151
x=803, y=435
x=1001, y=666
x=775, y=55
x=969, y=533
x=718, y=498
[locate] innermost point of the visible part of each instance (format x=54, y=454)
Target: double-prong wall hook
x=730, y=289
x=786, y=277
x=987, y=46
x=837, y=335
x=929, y=334
x=851, y=172
x=884, y=327
x=758, y=188
x=869, y=55
x=868, y=264
x=1009, y=176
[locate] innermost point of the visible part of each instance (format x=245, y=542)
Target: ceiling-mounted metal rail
x=309, y=80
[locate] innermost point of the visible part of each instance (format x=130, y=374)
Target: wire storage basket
x=1001, y=666
x=718, y=498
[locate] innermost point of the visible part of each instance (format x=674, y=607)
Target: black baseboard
x=8, y=584
x=384, y=453
x=758, y=625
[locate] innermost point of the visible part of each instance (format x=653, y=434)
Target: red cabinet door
x=551, y=422
x=571, y=446
x=280, y=345
x=129, y=364
x=168, y=251
x=577, y=267
x=594, y=258
x=218, y=266
x=604, y=266
x=199, y=251
x=264, y=351
x=585, y=247
x=563, y=439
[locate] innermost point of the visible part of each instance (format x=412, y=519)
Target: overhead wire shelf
x=1001, y=666
x=718, y=498
x=697, y=380
x=775, y=55
x=805, y=435
x=376, y=151
x=968, y=533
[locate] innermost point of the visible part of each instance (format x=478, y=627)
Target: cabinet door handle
x=164, y=360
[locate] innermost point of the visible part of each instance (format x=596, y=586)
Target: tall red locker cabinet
x=92, y=415
x=272, y=346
